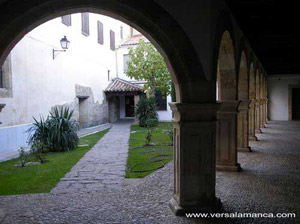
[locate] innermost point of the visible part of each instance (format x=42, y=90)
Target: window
x=1, y=79
x=112, y=40
x=66, y=20
x=85, y=24
x=100, y=32
x=125, y=60
x=121, y=32
x=161, y=101
x=6, y=79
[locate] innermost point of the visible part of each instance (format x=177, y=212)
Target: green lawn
x=42, y=178
x=143, y=160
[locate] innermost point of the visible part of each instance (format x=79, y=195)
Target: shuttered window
x=112, y=40
x=66, y=20
x=100, y=32
x=85, y=24
x=121, y=32
x=125, y=60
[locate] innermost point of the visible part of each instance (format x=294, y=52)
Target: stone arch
x=226, y=75
x=150, y=19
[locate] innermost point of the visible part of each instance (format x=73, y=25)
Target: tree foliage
x=147, y=64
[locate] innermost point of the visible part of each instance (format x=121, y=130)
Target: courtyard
x=268, y=183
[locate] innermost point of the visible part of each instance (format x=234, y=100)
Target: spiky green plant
x=55, y=133
x=63, y=135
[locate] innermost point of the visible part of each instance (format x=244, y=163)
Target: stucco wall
x=278, y=95
x=39, y=82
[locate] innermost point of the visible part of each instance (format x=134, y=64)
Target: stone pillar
x=266, y=110
x=243, y=127
x=1, y=107
x=194, y=158
x=252, y=136
x=227, y=136
x=257, y=116
x=261, y=113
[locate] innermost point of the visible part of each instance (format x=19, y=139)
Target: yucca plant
x=56, y=133
x=63, y=136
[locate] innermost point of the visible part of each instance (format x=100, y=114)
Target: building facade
x=39, y=75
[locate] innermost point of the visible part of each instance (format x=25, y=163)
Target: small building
x=122, y=96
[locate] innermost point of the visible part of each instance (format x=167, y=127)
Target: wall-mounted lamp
x=64, y=42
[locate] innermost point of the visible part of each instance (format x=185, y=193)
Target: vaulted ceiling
x=273, y=31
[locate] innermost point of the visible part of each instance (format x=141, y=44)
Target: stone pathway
x=103, y=166
x=269, y=182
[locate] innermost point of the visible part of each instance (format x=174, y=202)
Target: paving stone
x=108, y=156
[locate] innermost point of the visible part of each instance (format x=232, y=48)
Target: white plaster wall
x=278, y=95
x=39, y=82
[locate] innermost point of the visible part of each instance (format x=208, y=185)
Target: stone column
x=243, y=127
x=1, y=107
x=257, y=116
x=261, y=112
x=194, y=158
x=227, y=136
x=252, y=136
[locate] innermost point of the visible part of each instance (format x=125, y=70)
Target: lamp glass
x=64, y=43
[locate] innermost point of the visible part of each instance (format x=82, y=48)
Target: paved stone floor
x=101, y=167
x=269, y=182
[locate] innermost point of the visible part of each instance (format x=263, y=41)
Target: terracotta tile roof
x=134, y=40
x=121, y=85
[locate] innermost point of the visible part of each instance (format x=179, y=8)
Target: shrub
x=150, y=124
x=145, y=110
x=55, y=133
x=63, y=135
x=23, y=156
x=39, y=150
x=170, y=133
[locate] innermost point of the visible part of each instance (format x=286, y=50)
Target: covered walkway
x=269, y=182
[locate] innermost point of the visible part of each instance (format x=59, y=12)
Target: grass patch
x=148, y=158
x=44, y=177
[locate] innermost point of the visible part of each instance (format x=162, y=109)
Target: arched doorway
x=194, y=117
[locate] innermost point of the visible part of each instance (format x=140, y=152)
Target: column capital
x=244, y=105
x=229, y=106
x=194, y=112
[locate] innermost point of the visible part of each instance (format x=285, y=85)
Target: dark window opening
x=66, y=20
x=161, y=101
x=100, y=33
x=112, y=40
x=85, y=24
x=1, y=79
x=121, y=32
x=296, y=103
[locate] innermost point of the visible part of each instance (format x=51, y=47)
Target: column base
x=253, y=138
x=263, y=126
x=258, y=131
x=181, y=211
x=229, y=168
x=247, y=149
